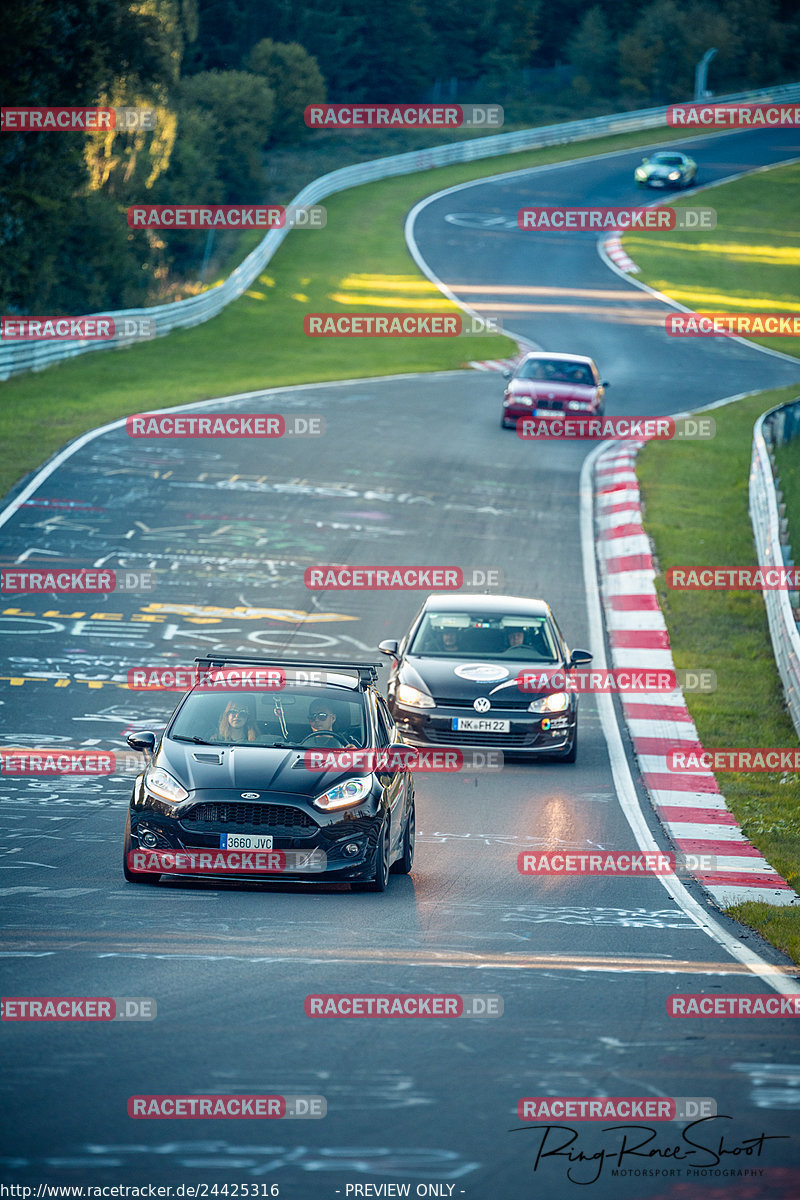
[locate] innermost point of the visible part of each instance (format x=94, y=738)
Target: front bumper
x=661, y=184
x=528, y=734
x=516, y=411
x=196, y=825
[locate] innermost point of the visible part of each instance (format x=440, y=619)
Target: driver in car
x=514, y=638
x=322, y=719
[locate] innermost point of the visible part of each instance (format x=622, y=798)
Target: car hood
x=542, y=390
x=465, y=679
x=246, y=769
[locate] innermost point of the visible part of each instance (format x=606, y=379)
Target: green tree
x=238, y=109
x=593, y=54
x=516, y=30
x=658, y=57
x=64, y=52
x=296, y=80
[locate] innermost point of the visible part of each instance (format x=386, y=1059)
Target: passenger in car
x=236, y=723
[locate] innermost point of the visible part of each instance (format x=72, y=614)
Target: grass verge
x=749, y=263
x=359, y=262
x=728, y=632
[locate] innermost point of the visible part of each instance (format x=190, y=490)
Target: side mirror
x=388, y=647
x=645, y=160
x=144, y=741
x=605, y=383
x=580, y=658
x=506, y=373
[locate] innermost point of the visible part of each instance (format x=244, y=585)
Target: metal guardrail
x=776, y=426
x=182, y=314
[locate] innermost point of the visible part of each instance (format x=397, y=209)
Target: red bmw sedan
x=547, y=385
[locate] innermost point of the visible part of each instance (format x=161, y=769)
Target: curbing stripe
x=690, y=805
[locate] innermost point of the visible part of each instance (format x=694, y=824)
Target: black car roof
x=481, y=602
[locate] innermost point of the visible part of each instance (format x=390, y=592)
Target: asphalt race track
x=416, y=471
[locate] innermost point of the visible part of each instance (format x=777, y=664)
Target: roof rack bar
x=368, y=671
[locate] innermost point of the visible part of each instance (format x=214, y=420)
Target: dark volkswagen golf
x=454, y=676
x=244, y=780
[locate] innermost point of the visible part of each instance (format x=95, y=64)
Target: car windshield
x=667, y=160
x=296, y=717
x=518, y=637
x=554, y=370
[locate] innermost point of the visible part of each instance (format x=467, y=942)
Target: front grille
x=277, y=818
x=549, y=405
x=498, y=706
x=453, y=737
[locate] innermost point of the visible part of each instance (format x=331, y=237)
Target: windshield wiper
x=179, y=737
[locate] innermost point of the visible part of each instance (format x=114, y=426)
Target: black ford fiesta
x=248, y=781
x=454, y=676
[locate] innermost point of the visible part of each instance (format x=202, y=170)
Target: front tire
x=146, y=877
x=380, y=882
x=406, y=860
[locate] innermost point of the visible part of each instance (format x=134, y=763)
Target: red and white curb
x=495, y=364
x=690, y=806
x=613, y=248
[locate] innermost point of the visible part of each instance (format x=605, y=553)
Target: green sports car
x=667, y=169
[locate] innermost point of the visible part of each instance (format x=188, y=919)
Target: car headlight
x=160, y=783
x=414, y=698
x=640, y=173
x=579, y=405
x=556, y=702
x=352, y=791
x=674, y=175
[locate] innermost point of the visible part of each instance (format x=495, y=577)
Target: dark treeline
x=627, y=49
x=230, y=79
